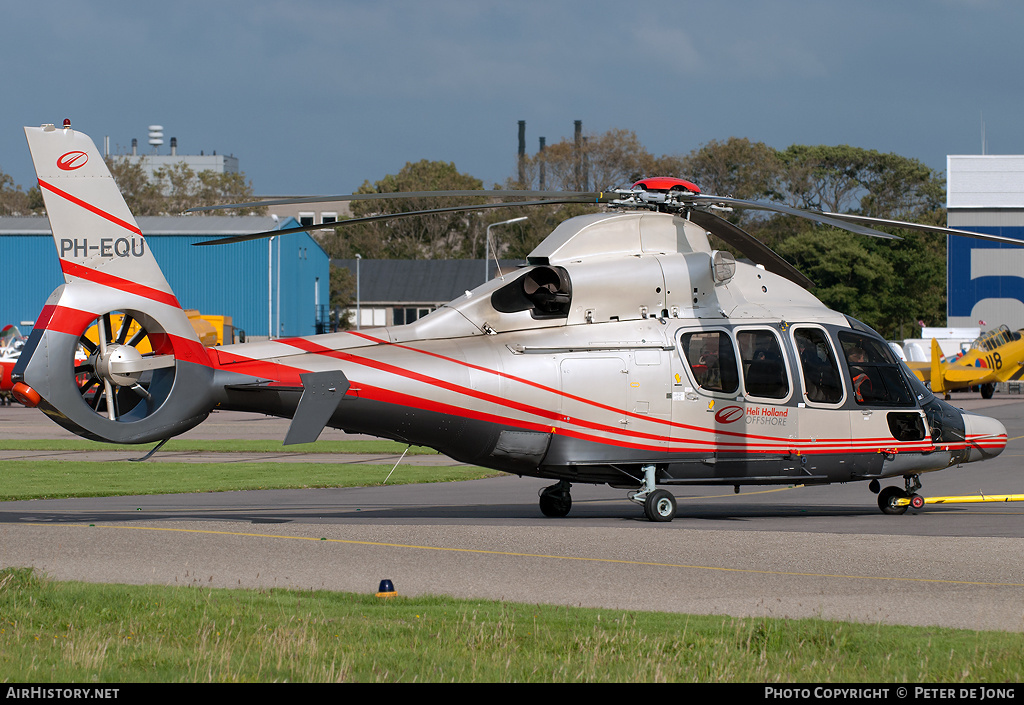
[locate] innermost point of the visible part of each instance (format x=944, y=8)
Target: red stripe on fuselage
x=67, y=320
x=290, y=375
x=94, y=275
x=89, y=207
x=302, y=343
x=764, y=444
x=263, y=369
x=102, y=278
x=62, y=319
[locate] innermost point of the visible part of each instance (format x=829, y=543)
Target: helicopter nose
x=986, y=437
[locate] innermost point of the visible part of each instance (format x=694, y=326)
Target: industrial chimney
x=522, y=153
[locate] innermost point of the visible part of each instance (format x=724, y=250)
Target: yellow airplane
x=997, y=356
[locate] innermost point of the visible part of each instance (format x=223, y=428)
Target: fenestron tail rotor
x=119, y=368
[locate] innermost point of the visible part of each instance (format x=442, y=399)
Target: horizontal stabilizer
x=967, y=375
x=321, y=394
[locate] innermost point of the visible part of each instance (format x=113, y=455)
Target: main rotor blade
x=402, y=194
x=370, y=218
x=882, y=222
x=816, y=216
x=749, y=246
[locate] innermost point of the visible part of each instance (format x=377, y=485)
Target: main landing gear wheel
x=660, y=506
x=116, y=378
x=555, y=500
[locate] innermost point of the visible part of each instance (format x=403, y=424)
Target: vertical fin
x=937, y=381
x=97, y=238
x=92, y=226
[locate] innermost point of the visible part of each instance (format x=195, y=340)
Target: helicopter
x=627, y=352
x=11, y=343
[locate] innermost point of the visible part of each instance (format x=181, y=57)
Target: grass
x=221, y=446
x=64, y=632
x=40, y=479
x=78, y=632
x=54, y=479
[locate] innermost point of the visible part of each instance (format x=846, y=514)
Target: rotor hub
x=116, y=362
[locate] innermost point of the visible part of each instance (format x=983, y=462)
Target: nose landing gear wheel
x=660, y=506
x=887, y=500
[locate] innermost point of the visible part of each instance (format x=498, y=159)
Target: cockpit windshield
x=876, y=374
x=10, y=337
x=995, y=338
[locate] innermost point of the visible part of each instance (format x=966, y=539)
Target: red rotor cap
x=666, y=183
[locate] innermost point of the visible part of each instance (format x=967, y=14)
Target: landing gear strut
x=659, y=505
x=888, y=496
x=555, y=500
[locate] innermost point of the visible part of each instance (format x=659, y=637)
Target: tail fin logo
x=69, y=161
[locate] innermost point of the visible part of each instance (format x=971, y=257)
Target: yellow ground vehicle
x=212, y=330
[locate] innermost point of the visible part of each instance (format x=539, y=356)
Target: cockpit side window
x=712, y=360
x=764, y=369
x=874, y=372
x=822, y=381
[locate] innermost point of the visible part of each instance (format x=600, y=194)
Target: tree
x=845, y=179
x=612, y=159
x=142, y=197
x=437, y=236
x=177, y=187
x=737, y=167
x=14, y=201
x=849, y=276
x=918, y=262
x=343, y=293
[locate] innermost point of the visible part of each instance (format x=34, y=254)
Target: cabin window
x=712, y=360
x=822, y=381
x=764, y=369
x=875, y=373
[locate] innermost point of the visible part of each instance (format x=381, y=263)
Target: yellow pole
x=965, y=499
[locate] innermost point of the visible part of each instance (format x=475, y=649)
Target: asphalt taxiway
x=781, y=552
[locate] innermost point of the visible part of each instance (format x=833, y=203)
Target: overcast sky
x=316, y=96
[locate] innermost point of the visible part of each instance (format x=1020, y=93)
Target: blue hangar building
x=985, y=280
x=271, y=288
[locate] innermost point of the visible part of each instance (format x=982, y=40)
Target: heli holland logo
x=730, y=414
x=69, y=161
